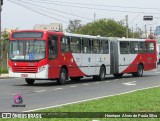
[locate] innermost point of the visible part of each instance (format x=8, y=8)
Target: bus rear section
x=132, y=56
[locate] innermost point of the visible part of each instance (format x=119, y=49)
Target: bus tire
x=102, y=73
x=30, y=81
x=139, y=72
x=118, y=75
x=62, y=77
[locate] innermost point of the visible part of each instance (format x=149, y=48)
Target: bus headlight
x=42, y=68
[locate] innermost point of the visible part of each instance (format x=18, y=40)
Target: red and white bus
x=41, y=55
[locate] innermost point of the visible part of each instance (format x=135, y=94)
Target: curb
x=4, y=76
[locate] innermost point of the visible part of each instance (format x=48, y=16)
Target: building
x=52, y=26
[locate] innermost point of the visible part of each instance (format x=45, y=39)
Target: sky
x=24, y=14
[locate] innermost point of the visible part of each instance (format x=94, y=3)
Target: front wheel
x=30, y=81
x=63, y=77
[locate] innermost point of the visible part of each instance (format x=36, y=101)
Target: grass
x=147, y=100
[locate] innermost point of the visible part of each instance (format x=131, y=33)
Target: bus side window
x=65, y=44
x=75, y=45
x=142, y=47
x=104, y=47
x=85, y=45
x=134, y=47
x=124, y=47
x=52, y=44
x=150, y=47
x=95, y=46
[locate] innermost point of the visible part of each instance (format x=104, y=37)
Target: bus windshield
x=27, y=50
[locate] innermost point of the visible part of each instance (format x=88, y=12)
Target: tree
x=74, y=25
x=103, y=27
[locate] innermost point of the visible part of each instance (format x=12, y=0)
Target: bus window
x=150, y=47
x=75, y=45
x=104, y=47
x=142, y=47
x=95, y=46
x=85, y=45
x=52, y=44
x=124, y=47
x=134, y=47
x=65, y=42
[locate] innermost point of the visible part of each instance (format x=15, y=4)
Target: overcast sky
x=14, y=15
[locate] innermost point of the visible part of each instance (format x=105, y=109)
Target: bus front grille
x=25, y=69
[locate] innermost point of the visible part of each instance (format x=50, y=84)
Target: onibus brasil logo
x=18, y=101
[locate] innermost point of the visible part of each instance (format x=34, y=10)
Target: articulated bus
x=49, y=55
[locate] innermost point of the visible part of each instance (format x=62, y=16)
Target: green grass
x=147, y=100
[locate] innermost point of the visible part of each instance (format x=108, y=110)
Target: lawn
x=147, y=100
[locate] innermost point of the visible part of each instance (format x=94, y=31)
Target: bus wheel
x=139, y=72
x=75, y=78
x=102, y=73
x=30, y=81
x=63, y=77
x=118, y=75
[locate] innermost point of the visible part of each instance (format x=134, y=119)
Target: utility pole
x=1, y=49
x=145, y=30
x=0, y=15
x=94, y=16
x=126, y=26
x=132, y=32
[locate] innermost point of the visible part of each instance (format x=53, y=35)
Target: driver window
x=52, y=45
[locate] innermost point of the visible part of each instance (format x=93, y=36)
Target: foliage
x=4, y=51
x=73, y=25
x=103, y=27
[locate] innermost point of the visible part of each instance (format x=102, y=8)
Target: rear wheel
x=102, y=73
x=30, y=81
x=118, y=75
x=139, y=72
x=63, y=76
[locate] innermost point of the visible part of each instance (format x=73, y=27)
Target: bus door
x=52, y=56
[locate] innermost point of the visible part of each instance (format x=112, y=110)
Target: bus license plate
x=24, y=75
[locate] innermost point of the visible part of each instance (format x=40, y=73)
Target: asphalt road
x=47, y=93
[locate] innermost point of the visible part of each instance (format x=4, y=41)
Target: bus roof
x=85, y=36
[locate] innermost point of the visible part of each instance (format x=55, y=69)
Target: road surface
x=48, y=94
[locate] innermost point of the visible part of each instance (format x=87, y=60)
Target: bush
x=4, y=70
